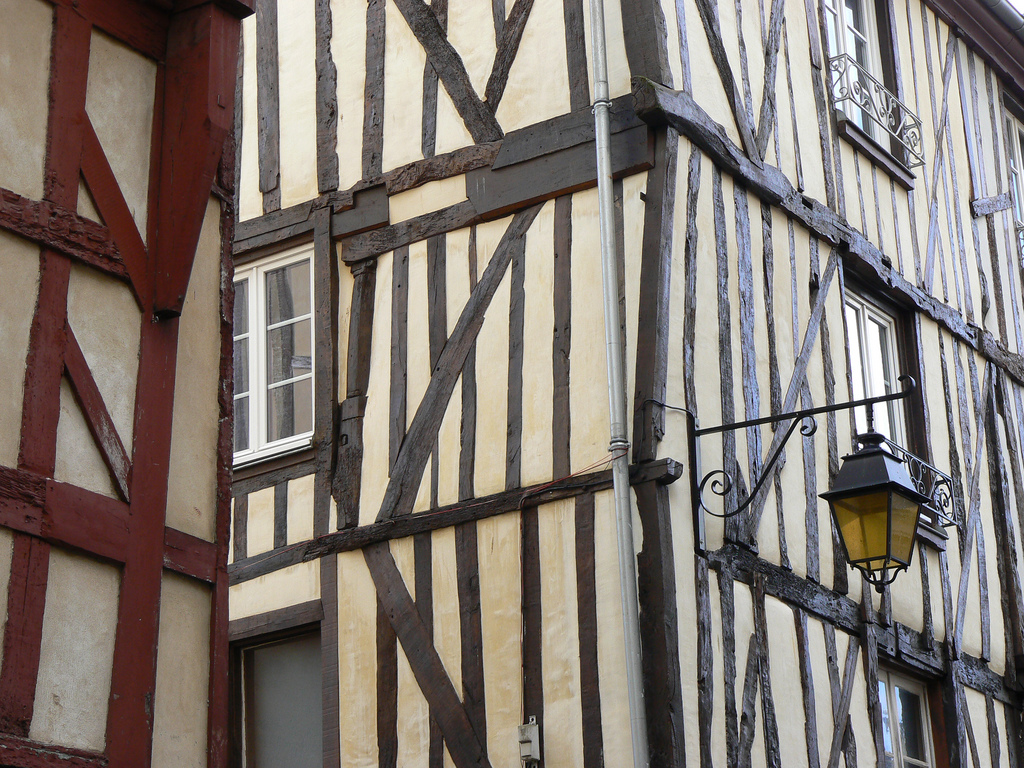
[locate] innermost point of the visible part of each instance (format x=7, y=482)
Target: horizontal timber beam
x=660, y=106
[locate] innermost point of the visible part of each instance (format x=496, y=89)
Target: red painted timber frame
x=195, y=47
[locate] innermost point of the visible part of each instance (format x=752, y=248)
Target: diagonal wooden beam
x=110, y=203
x=708, y=10
x=508, y=47
x=101, y=425
x=419, y=440
x=462, y=741
x=771, y=66
x=843, y=710
x=478, y=117
x=942, y=121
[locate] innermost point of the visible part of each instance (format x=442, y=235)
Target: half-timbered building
x=811, y=199
x=116, y=218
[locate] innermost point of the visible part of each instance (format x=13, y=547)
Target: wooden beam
x=507, y=48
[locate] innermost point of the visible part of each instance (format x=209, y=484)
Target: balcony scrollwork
x=857, y=93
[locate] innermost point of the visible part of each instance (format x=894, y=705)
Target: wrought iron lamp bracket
x=720, y=482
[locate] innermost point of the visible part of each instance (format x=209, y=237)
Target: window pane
x=910, y=711
x=241, y=318
x=287, y=292
x=289, y=351
x=241, y=424
x=883, y=699
x=285, y=700
x=290, y=409
x=241, y=366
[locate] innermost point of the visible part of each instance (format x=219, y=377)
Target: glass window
x=1015, y=141
x=281, y=716
x=273, y=356
x=874, y=364
x=906, y=726
x=852, y=30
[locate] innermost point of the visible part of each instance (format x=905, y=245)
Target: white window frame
x=865, y=371
x=255, y=273
x=892, y=724
x=838, y=34
x=1015, y=144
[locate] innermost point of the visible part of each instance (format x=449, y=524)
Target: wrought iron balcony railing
x=857, y=93
x=933, y=483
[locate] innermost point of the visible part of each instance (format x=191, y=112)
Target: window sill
x=931, y=535
x=880, y=156
x=258, y=465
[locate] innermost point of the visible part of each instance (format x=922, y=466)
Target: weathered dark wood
x=533, y=615
x=807, y=688
x=399, y=352
x=985, y=206
x=429, y=131
x=375, y=242
x=769, y=726
x=408, y=469
x=659, y=627
x=654, y=307
x=516, y=350
x=250, y=479
x=239, y=527
x=727, y=600
x=870, y=661
x=498, y=14
x=690, y=270
x=842, y=723
x=281, y=514
x=705, y=661
x=576, y=55
x=748, y=703
x=646, y=37
x=712, y=30
x=477, y=116
x=290, y=617
x=329, y=672
x=467, y=574
x=423, y=578
x=507, y=48
x=497, y=192
x=268, y=103
x=62, y=230
x=387, y=685
x=586, y=601
x=373, y=107
x=326, y=100
x=767, y=117
x=369, y=209
x=437, y=167
x=467, y=431
x=561, y=344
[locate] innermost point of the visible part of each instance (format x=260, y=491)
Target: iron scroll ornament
x=721, y=481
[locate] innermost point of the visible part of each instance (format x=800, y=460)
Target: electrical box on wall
x=529, y=742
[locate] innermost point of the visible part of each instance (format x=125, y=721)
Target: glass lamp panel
x=287, y=292
x=863, y=524
x=290, y=409
x=910, y=710
x=904, y=526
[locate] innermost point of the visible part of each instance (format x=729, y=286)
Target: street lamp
x=875, y=502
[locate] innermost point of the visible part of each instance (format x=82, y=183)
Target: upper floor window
x=873, y=344
x=273, y=353
x=852, y=30
x=906, y=724
x=1015, y=140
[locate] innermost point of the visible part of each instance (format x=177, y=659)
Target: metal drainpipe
x=1007, y=14
x=616, y=394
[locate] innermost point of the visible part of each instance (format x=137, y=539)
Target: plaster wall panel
x=86, y=204
x=806, y=114
x=539, y=319
x=24, y=84
x=432, y=196
x=300, y=509
x=785, y=679
x=106, y=320
x=672, y=21
x=182, y=674
x=260, y=526
x=451, y=129
x=492, y=372
x=588, y=376
x=357, y=629
x=560, y=652
x=538, y=82
x=618, y=66
x=375, y=420
x=418, y=355
x=498, y=540
x=348, y=49
x=449, y=441
x=404, y=59
x=471, y=33
x=280, y=589
x=76, y=657
x=445, y=595
x=6, y=553
x=119, y=102
x=618, y=743
x=744, y=628
x=413, y=716
x=79, y=461
x=250, y=200
x=296, y=33
x=19, y=264
x=192, y=482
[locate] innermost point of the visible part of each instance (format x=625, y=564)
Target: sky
x=1018, y=4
